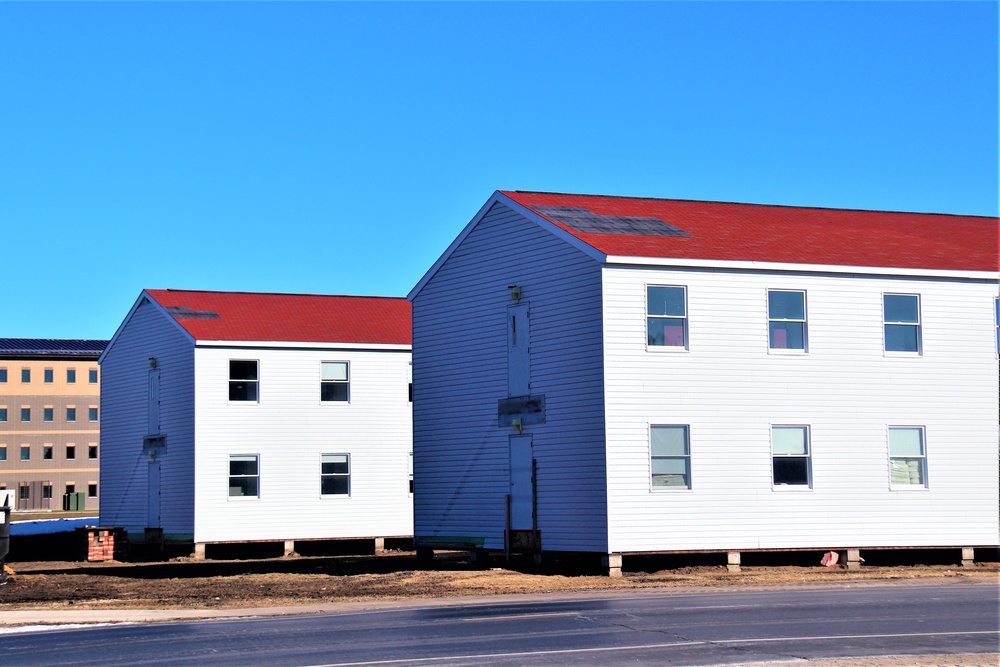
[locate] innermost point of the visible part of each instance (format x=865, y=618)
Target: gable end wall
x=461, y=459
x=124, y=422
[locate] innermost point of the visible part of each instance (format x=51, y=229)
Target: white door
x=153, y=496
x=517, y=350
x=522, y=488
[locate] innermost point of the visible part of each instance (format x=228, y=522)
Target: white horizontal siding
x=289, y=428
x=124, y=424
x=730, y=391
x=460, y=372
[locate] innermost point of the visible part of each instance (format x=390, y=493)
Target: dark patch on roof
x=584, y=220
x=51, y=347
x=183, y=311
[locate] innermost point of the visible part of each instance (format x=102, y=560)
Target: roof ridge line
x=737, y=203
x=208, y=291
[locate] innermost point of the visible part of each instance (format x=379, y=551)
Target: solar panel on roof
x=183, y=311
x=51, y=347
x=585, y=220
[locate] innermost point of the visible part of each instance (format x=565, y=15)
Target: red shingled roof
x=788, y=234
x=301, y=318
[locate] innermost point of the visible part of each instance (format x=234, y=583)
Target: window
x=244, y=476
x=3, y=452
x=3, y=376
x=242, y=380
x=907, y=457
x=25, y=453
x=26, y=414
x=25, y=375
x=670, y=456
x=92, y=452
x=786, y=320
x=335, y=384
x=790, y=455
x=70, y=376
x=92, y=490
x=409, y=372
x=71, y=414
x=47, y=414
x=71, y=488
x=92, y=414
x=666, y=316
x=335, y=475
x=3, y=414
x=410, y=471
x=901, y=313
x=47, y=491
x=70, y=452
x=47, y=376
x=92, y=376
x=47, y=452
x=24, y=492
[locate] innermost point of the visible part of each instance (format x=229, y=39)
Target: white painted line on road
x=516, y=616
x=640, y=647
x=21, y=629
x=722, y=606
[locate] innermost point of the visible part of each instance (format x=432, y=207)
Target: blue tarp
x=46, y=526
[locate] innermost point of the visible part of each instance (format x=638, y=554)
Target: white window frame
x=922, y=458
x=230, y=476
x=684, y=318
x=327, y=381
x=918, y=325
x=686, y=458
x=322, y=474
x=255, y=382
x=807, y=456
x=804, y=321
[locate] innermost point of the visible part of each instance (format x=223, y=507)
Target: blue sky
x=338, y=148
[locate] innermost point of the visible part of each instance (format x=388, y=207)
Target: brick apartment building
x=50, y=423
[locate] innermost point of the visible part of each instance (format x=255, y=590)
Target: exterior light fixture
x=515, y=292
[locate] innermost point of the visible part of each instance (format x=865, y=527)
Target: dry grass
x=284, y=582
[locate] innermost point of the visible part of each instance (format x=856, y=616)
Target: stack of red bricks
x=105, y=543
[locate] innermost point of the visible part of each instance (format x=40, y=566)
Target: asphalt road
x=733, y=626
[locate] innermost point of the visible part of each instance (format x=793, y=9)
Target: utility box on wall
x=74, y=502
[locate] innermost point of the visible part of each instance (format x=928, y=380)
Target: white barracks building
x=624, y=376
x=233, y=417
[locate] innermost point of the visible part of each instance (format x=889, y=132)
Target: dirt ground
x=186, y=583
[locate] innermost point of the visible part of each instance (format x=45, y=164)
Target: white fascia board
x=144, y=296
x=801, y=268
x=452, y=247
x=296, y=345
x=527, y=213
x=555, y=230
